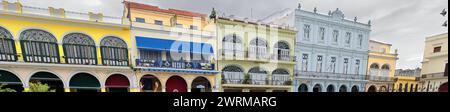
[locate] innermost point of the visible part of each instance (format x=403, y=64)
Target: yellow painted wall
x=381, y=58
x=405, y=80
x=60, y=27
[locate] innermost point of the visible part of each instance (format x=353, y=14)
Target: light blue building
x=332, y=52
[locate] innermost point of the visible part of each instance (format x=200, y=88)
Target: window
x=322, y=34
x=345, y=66
x=348, y=37
x=335, y=36
x=140, y=20
x=357, y=63
x=39, y=46
x=319, y=63
x=437, y=49
x=360, y=40
x=158, y=22
x=333, y=65
x=7, y=46
x=114, y=51
x=79, y=49
x=305, y=62
x=306, y=30
x=192, y=27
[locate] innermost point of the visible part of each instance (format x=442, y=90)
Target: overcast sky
x=402, y=23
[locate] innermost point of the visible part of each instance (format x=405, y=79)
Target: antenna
x=251, y=13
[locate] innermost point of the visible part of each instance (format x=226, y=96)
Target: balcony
x=57, y=13
x=327, y=75
x=197, y=65
x=434, y=75
x=245, y=55
x=256, y=79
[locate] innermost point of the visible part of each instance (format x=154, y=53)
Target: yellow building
x=174, y=49
x=70, y=51
x=434, y=64
x=407, y=80
x=254, y=57
x=381, y=69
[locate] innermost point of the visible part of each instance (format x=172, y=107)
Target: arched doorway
x=11, y=81
x=343, y=88
x=443, y=87
x=84, y=82
x=150, y=83
x=117, y=83
x=114, y=51
x=53, y=81
x=317, y=88
x=383, y=89
x=176, y=84
x=330, y=88
x=355, y=89
x=303, y=88
x=372, y=89
x=79, y=49
x=201, y=84
x=39, y=46
x=282, y=51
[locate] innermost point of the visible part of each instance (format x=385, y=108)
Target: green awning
x=84, y=80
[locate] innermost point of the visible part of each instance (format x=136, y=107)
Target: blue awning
x=173, y=45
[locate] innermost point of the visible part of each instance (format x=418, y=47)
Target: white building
x=331, y=52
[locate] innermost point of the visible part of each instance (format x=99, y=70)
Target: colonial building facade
x=175, y=49
x=381, y=69
x=254, y=57
x=69, y=51
x=435, y=64
x=332, y=52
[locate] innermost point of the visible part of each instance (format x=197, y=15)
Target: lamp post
x=444, y=13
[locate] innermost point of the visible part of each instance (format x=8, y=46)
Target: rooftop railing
x=58, y=13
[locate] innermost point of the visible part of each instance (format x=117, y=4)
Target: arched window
x=258, y=49
x=258, y=76
x=280, y=77
x=79, y=49
x=233, y=75
x=114, y=51
x=282, y=51
x=374, y=68
x=317, y=88
x=39, y=46
x=7, y=46
x=232, y=46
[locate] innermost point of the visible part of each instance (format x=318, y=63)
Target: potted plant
x=247, y=79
